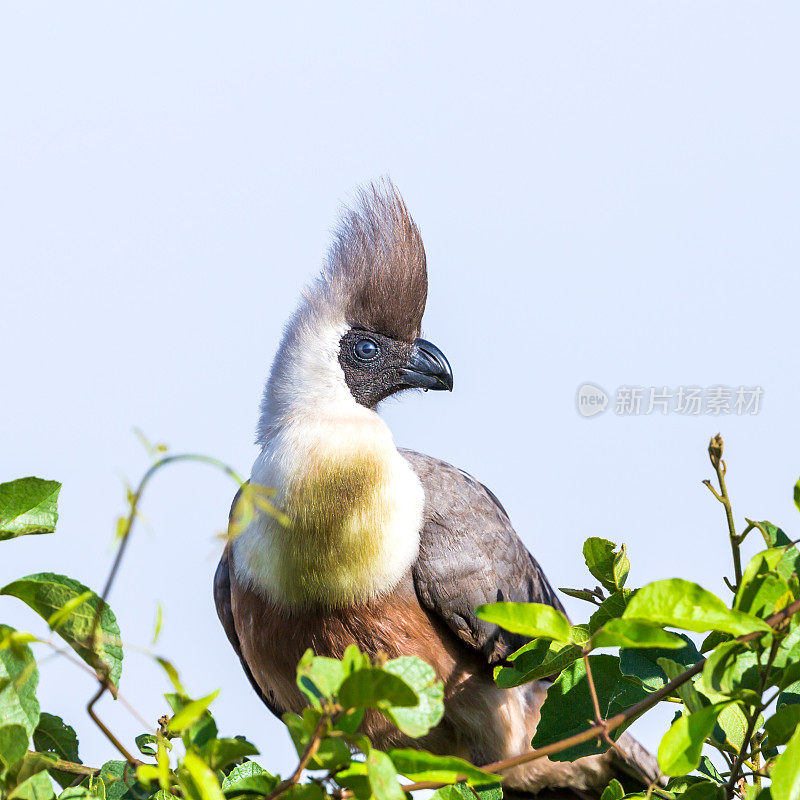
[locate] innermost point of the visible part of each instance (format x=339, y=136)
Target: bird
x=380, y=546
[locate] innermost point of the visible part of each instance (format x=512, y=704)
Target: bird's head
x=355, y=337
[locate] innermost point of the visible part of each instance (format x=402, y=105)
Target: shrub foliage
x=731, y=669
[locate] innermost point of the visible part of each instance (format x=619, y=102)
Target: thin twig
x=751, y=724
x=715, y=455
x=102, y=669
x=598, y=717
x=309, y=753
x=65, y=766
x=59, y=651
x=104, y=684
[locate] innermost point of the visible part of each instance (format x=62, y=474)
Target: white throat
x=353, y=502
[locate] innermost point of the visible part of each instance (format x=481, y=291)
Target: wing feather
x=470, y=555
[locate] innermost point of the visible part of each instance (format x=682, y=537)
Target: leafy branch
x=750, y=664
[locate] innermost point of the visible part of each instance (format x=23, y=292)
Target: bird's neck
x=353, y=503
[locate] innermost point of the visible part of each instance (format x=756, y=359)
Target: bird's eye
x=366, y=349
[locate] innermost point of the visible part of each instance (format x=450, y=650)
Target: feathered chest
x=353, y=509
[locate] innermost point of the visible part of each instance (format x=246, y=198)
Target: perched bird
x=386, y=548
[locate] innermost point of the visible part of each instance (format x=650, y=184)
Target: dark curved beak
x=427, y=368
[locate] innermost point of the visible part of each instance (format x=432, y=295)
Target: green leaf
x=580, y=594
x=419, y=765
x=53, y=735
x=319, y=677
x=248, y=778
x=118, y=778
x=37, y=787
x=374, y=687
x=83, y=793
x=772, y=534
x=198, y=780
x=732, y=669
x=568, y=705
x=172, y=674
x=159, y=621
x=355, y=779
x=383, y=777
x=686, y=691
x=704, y=790
x=782, y=725
x=65, y=612
x=682, y=604
x=635, y=633
x=529, y=619
x=790, y=695
x=763, y=591
x=201, y=731
x=611, y=608
x=579, y=635
x=301, y=727
x=786, y=772
x=417, y=720
x=797, y=495
x=609, y=567
x=19, y=677
x=332, y=753
x=493, y=791
x=147, y=744
x=27, y=506
x=221, y=753
x=349, y=721
x=461, y=791
x=680, y=749
x=31, y=764
x=13, y=745
x=787, y=658
x=643, y=663
x=733, y=724
x=776, y=538
x=537, y=659
x=48, y=592
x=613, y=791
x=707, y=768
x=190, y=713
x=448, y=793
x=714, y=639
x=95, y=786
x=305, y=791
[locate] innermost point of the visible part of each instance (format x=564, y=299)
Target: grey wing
x=222, y=600
x=469, y=555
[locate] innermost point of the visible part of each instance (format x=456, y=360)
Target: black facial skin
x=376, y=366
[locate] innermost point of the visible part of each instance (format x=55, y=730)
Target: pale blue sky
x=607, y=193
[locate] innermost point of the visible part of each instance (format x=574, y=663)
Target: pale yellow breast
x=354, y=507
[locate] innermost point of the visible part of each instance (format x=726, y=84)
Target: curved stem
x=309, y=753
x=101, y=668
x=715, y=448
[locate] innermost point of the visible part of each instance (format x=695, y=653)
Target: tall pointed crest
x=374, y=278
x=375, y=271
